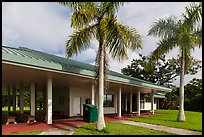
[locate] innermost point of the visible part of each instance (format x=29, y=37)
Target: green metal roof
x=32, y=57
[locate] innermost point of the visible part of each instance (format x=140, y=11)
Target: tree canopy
x=163, y=72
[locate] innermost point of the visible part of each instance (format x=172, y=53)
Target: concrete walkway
x=69, y=131
x=161, y=128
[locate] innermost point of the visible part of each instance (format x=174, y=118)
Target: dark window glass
x=108, y=100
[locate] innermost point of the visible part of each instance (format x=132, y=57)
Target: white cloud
x=115, y=65
x=46, y=26
x=36, y=25
x=88, y=54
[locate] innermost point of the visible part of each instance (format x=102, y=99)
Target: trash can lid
x=89, y=105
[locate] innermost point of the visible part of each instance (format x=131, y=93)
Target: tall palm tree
x=99, y=20
x=183, y=33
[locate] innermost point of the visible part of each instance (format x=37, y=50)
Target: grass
x=169, y=118
x=26, y=109
x=113, y=128
x=36, y=132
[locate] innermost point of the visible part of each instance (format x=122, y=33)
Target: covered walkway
x=60, y=86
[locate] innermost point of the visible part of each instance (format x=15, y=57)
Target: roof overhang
x=75, y=68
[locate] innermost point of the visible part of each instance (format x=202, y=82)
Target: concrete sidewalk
x=161, y=128
x=69, y=131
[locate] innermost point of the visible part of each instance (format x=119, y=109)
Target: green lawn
x=169, y=117
x=36, y=132
x=26, y=109
x=113, y=128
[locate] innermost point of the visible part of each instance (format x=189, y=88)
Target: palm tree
x=183, y=33
x=99, y=20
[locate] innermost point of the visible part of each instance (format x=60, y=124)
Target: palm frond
x=82, y=18
x=164, y=46
x=164, y=28
x=78, y=5
x=192, y=15
x=84, y=13
x=110, y=8
x=80, y=40
x=119, y=38
x=197, y=35
x=74, y=5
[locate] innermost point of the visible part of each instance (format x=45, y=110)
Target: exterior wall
x=147, y=104
x=59, y=93
x=83, y=93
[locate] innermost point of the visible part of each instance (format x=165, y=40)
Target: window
x=108, y=100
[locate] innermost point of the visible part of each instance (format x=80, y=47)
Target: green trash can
x=90, y=113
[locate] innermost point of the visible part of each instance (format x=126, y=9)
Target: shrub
x=4, y=118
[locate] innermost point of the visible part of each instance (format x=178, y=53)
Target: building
x=67, y=84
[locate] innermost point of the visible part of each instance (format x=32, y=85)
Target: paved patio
x=57, y=124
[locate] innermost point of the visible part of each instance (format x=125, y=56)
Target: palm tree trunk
x=181, y=115
x=101, y=123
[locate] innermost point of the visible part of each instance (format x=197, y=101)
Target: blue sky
x=45, y=26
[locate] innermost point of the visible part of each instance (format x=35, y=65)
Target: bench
x=30, y=118
x=11, y=119
x=134, y=113
x=147, y=111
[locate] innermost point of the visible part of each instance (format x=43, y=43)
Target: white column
x=119, y=102
x=152, y=102
x=116, y=102
x=14, y=99
x=138, y=102
x=21, y=100
x=131, y=102
x=126, y=103
x=70, y=102
x=32, y=98
x=92, y=94
x=9, y=101
x=49, y=100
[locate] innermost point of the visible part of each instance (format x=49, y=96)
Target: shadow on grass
x=104, y=131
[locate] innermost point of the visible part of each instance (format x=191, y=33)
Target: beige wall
x=148, y=104
x=83, y=93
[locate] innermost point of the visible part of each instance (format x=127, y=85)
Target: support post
x=119, y=102
x=14, y=99
x=44, y=100
x=126, y=103
x=9, y=101
x=32, y=98
x=49, y=100
x=92, y=94
x=152, y=101
x=21, y=100
x=131, y=102
x=138, y=102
